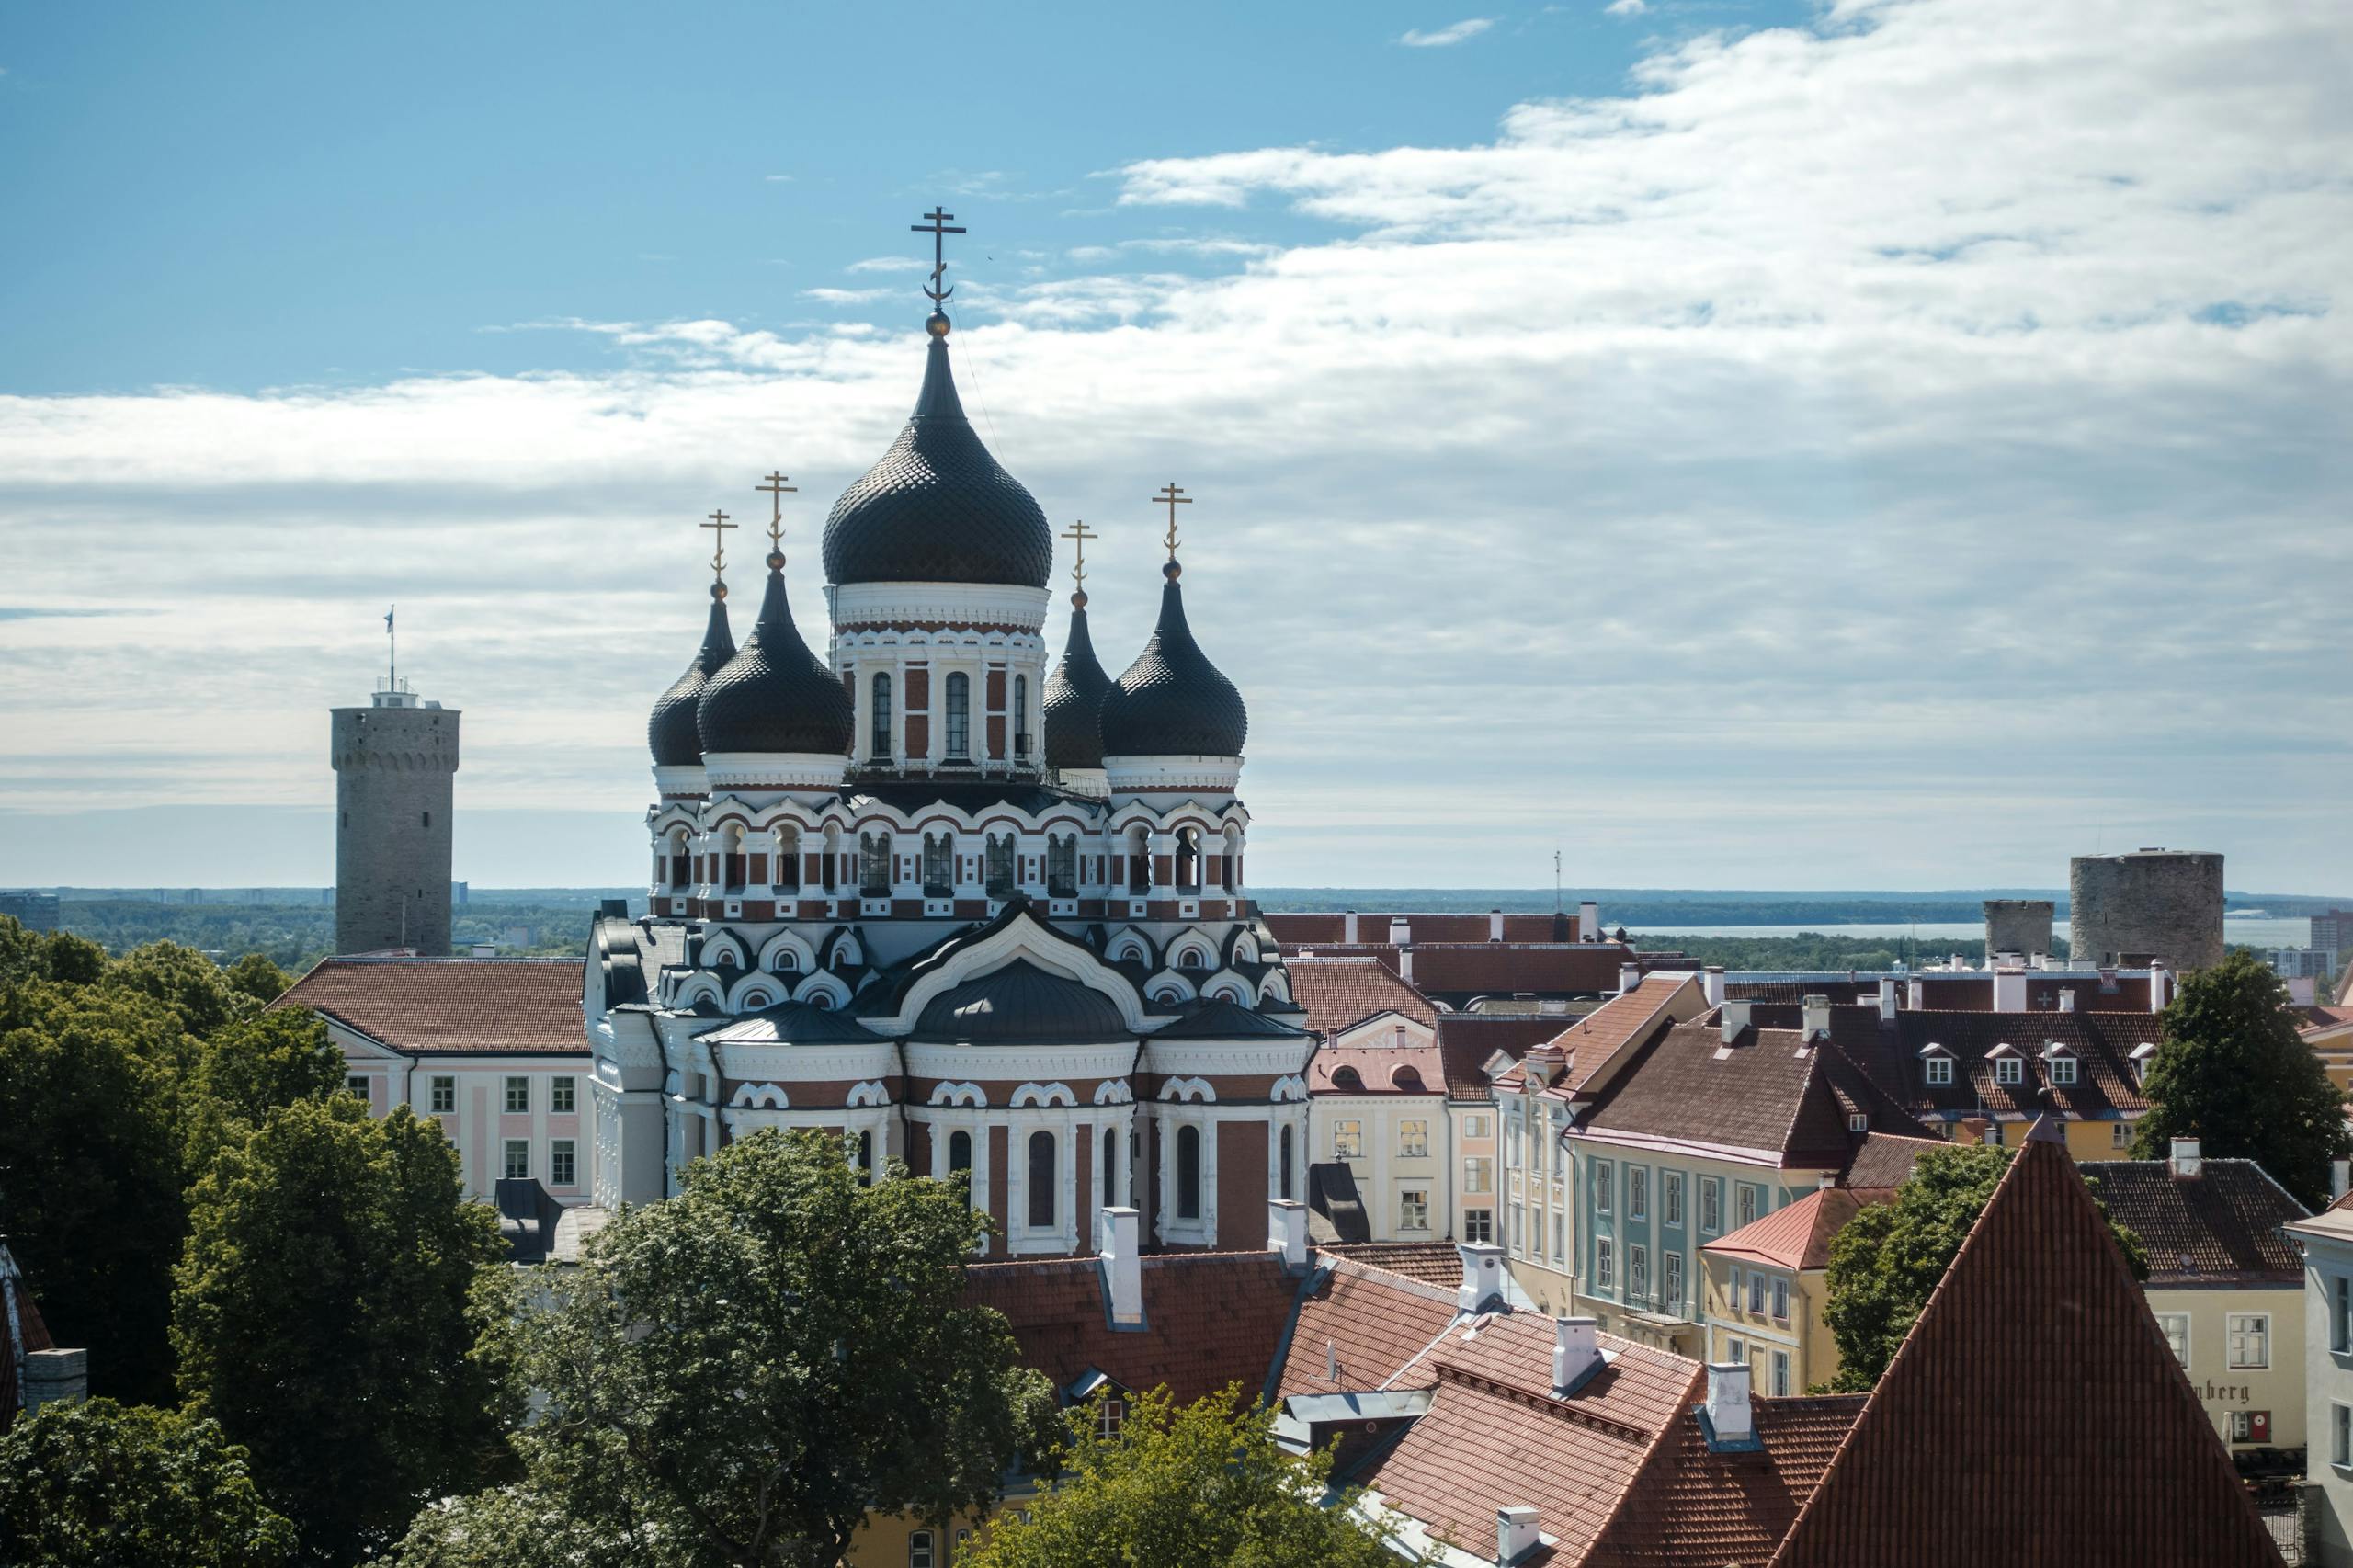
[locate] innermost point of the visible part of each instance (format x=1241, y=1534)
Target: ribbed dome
x=774, y=696
x=1173, y=701
x=1022, y=1004
x=938, y=508
x=1074, y=701
x=671, y=732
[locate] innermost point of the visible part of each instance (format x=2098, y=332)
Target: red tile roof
x=480, y=1005
x=1496, y=1438
x=1432, y=1263
x=2323, y=1018
x=1340, y=993
x=1296, y=927
x=1211, y=1319
x=1693, y=1506
x=1367, y=1326
x=1502, y=969
x=1627, y=1019
x=1762, y=1094
x=1798, y=1236
x=1465, y=1041
x=2033, y=1415
x=1886, y=1159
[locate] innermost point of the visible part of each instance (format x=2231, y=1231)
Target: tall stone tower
x=395, y=761
x=2163, y=903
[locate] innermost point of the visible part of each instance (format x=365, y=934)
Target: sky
x=1899, y=443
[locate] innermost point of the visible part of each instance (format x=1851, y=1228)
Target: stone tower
x=2019, y=925
x=2163, y=903
x=395, y=761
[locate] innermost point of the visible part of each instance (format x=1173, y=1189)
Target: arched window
x=1139, y=863
x=881, y=747
x=1000, y=865
x=787, y=875
x=731, y=859
x=874, y=864
x=682, y=872
x=1189, y=859
x=1044, y=1181
x=1061, y=865
x=960, y=716
x=1231, y=870
x=829, y=864
x=1022, y=715
x=1188, y=1172
x=1286, y=1190
x=959, y=1155
x=1110, y=1167
x=866, y=1159
x=938, y=865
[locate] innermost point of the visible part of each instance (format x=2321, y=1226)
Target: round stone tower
x=2161, y=904
x=395, y=762
x=2017, y=925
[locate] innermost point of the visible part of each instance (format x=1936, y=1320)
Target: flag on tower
x=388, y=619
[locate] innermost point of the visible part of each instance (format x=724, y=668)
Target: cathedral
x=959, y=911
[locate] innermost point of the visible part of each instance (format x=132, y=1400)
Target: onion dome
x=1172, y=701
x=1073, y=699
x=774, y=696
x=671, y=732
x=1022, y=1004
x=937, y=508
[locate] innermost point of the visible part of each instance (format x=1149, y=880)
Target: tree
x=1205, y=1485
x=2231, y=1072
x=90, y=1171
x=333, y=1314
x=249, y=1069
x=105, y=1485
x=185, y=980
x=253, y=975
x=1888, y=1259
x=741, y=1374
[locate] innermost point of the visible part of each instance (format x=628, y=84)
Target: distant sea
x=2254, y=933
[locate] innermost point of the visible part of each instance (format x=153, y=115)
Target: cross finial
x=939, y=225
x=1079, y=533
x=1172, y=495
x=720, y=527
x=776, y=490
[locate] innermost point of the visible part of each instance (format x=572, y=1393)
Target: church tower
x=396, y=763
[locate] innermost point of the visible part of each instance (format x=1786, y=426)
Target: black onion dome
x=774, y=696
x=937, y=508
x=1173, y=701
x=1074, y=701
x=671, y=732
x=1022, y=1004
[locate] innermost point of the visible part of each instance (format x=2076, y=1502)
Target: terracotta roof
x=1465, y=1041
x=18, y=1308
x=1496, y=1438
x=1846, y=991
x=1626, y=1018
x=1798, y=1236
x=2102, y=1044
x=2323, y=1018
x=1369, y=1325
x=2033, y=1413
x=483, y=1006
x=1454, y=925
x=1762, y=1094
x=1694, y=1507
x=2220, y=1225
x=1432, y=1263
x=1885, y=1159
x=1340, y=993
x=1211, y=1319
x=1503, y=967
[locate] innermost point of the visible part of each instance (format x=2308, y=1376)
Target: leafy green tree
x=741, y=1374
x=335, y=1315
x=1888, y=1259
x=525, y=1526
x=185, y=980
x=253, y=975
x=249, y=1069
x=106, y=1485
x=1204, y=1485
x=90, y=1171
x=2232, y=1072
x=55, y=955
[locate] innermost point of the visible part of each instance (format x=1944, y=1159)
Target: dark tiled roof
x=2033, y=1415
x=791, y=1023
x=1218, y=1018
x=1020, y=1003
x=1452, y=926
x=936, y=507
x=1172, y=701
x=1211, y=1319
x=1885, y=1159
x=1796, y=990
x=670, y=731
x=1340, y=993
x=1465, y=1041
x=494, y=1005
x=1503, y=967
x=2220, y=1225
x=1761, y=1094
x=1074, y=701
x=2102, y=1043
x=1693, y=1506
x=774, y=696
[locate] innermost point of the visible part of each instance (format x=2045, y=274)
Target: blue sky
x=1900, y=444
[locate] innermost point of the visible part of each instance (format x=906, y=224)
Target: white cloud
x=1626, y=8
x=1469, y=28
x=777, y=179
x=1901, y=450
x=889, y=264
x=847, y=296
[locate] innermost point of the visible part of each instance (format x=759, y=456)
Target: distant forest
x=296, y=935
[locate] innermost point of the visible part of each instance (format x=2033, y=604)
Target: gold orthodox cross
x=718, y=527
x=776, y=490
x=936, y=224
x=1079, y=533
x=1174, y=496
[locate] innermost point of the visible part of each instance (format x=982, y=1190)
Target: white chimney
x=1919, y=989
x=1515, y=1534
x=1589, y=920
x=1629, y=977
x=1712, y=985
x=1482, y=1275
x=1122, y=1238
x=1736, y=1018
x=1401, y=931
x=1348, y=927
x=1814, y=1019
x=1575, y=1351
x=55, y=1375
x=2159, y=987
x=2009, y=990
x=1405, y=965
x=2340, y=1178
x=1887, y=999
x=2066, y=998
x=1494, y=925
x=2187, y=1163
x=1287, y=1231
x=1728, y=1402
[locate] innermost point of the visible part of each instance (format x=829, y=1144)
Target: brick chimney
x=1287, y=1233
x=1122, y=1245
x=1729, y=1421
x=1576, y=1353
x=54, y=1377
x=1970, y=1130
x=1515, y=1534
x=2187, y=1164
x=1483, y=1276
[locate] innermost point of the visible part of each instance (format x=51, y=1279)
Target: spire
x=774, y=696
x=1172, y=701
x=1074, y=697
x=670, y=731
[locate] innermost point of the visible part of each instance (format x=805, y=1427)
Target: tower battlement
x=395, y=764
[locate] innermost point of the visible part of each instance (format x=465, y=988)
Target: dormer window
x=2063, y=1070
x=2008, y=1070
x=1859, y=1121
x=2142, y=1054
x=1936, y=1063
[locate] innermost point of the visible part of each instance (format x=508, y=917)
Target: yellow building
x=1765, y=1288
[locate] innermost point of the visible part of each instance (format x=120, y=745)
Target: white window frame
x=1348, y=1138
x=506, y=1159
x=1479, y=1226
x=1712, y=1206
x=2062, y=1069
x=2175, y=1326
x=1744, y=1202
x=356, y=1084
x=1604, y=1264
x=518, y=1086
x=1414, y=1209
x=1603, y=1176
x=2120, y=1135
x=1781, y=1374
x=1478, y=1174
x=1638, y=1192
x=2340, y=1435
x=1560, y=1235
x=1673, y=1280
x=2008, y=1070
x=1413, y=1139
x=921, y=1552
x=442, y=1084
x=1638, y=1272
x=2245, y=1333
x=1939, y=1070
x=1670, y=1198
x=563, y=1095
x=562, y=1151
x=1781, y=1299
x=2340, y=1314
x=1474, y=1125
x=1756, y=1293
x=1859, y=1121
